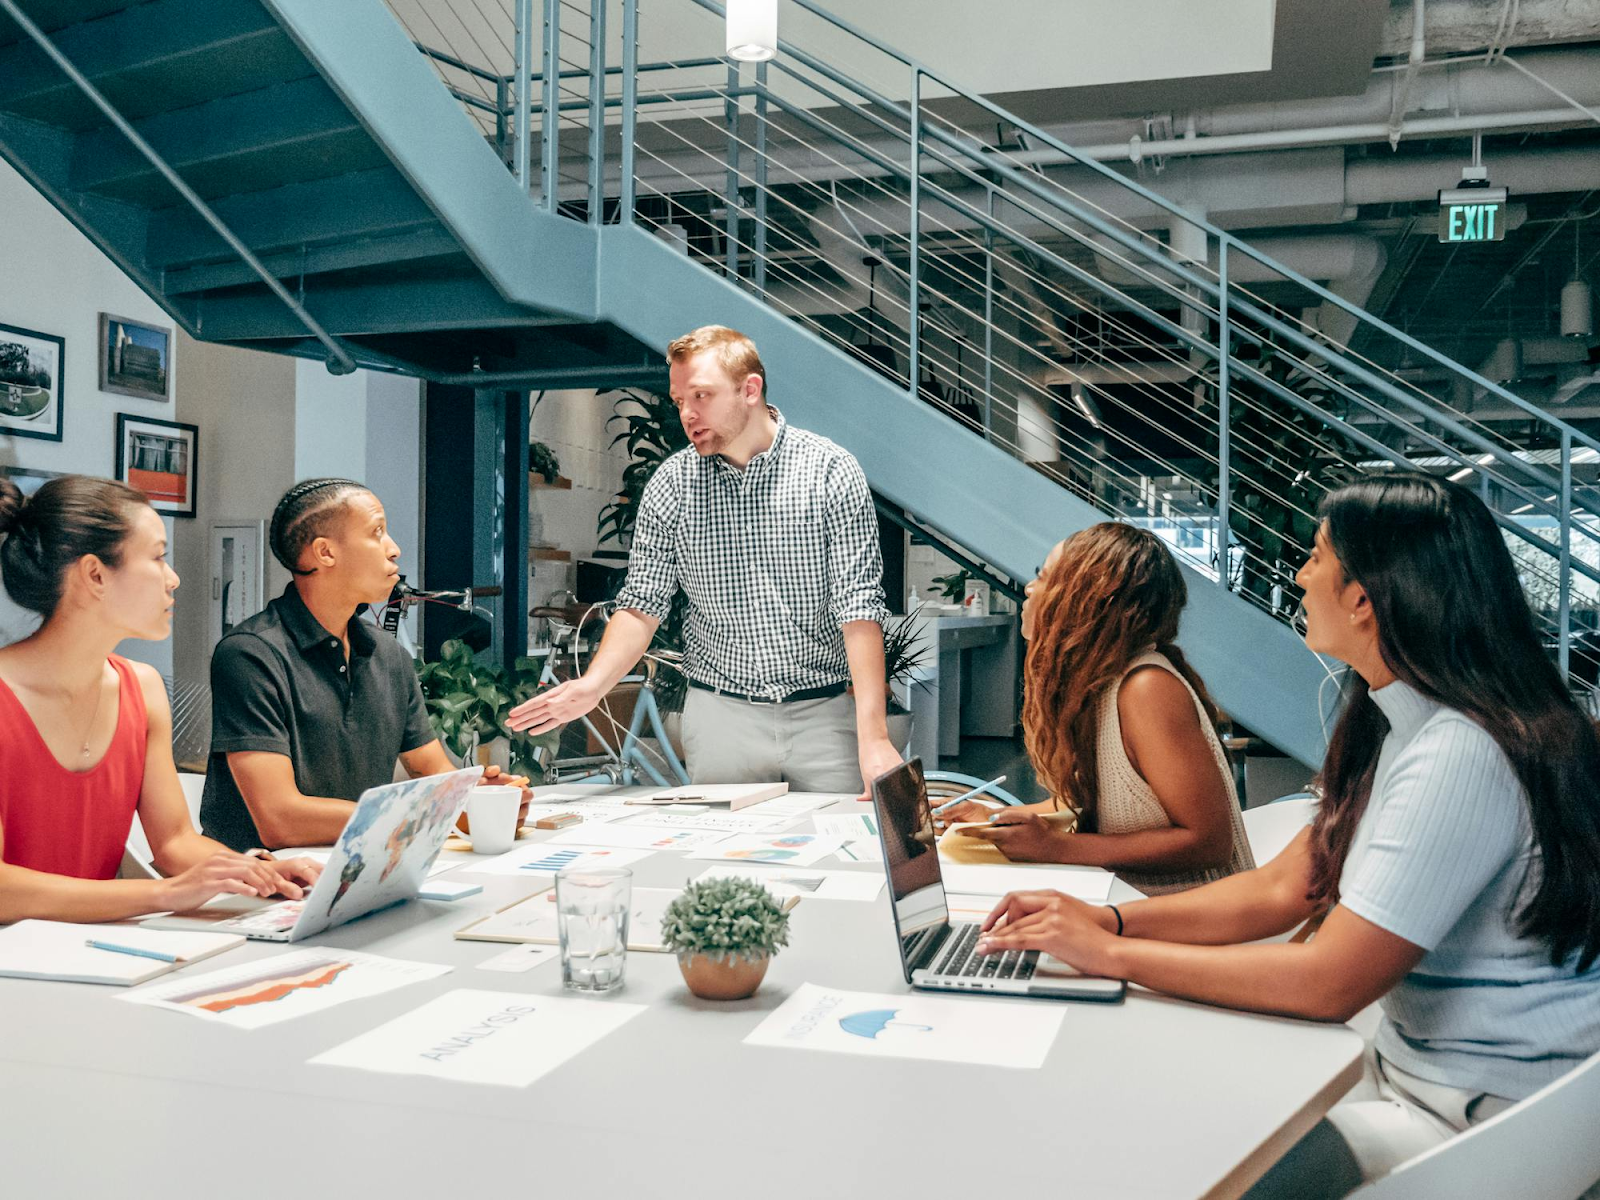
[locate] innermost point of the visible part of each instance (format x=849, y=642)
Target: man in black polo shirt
x=311, y=707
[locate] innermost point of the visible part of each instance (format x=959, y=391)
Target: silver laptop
x=381, y=858
x=939, y=956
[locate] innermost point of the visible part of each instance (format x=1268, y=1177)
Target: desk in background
x=969, y=685
x=1151, y=1098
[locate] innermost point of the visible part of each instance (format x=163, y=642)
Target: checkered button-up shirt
x=774, y=560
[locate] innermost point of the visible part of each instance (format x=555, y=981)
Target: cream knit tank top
x=1127, y=804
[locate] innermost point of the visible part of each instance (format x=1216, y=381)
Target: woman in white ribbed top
x=1455, y=855
x=1118, y=726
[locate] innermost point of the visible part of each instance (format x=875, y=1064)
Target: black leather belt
x=816, y=693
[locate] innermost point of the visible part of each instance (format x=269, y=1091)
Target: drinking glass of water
x=592, y=922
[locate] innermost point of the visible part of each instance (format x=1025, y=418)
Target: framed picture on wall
x=30, y=383
x=135, y=358
x=160, y=459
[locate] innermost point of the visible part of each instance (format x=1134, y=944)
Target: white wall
x=55, y=281
x=265, y=420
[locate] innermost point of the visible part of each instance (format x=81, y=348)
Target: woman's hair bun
x=12, y=503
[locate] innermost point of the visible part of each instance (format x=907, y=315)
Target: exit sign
x=1472, y=214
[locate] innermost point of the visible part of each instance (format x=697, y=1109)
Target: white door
x=236, y=566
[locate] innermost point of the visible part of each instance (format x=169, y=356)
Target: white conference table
x=1150, y=1098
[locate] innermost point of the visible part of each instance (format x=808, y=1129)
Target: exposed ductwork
x=1475, y=26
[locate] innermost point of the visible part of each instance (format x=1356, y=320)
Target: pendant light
x=752, y=30
x=1577, y=302
x=880, y=358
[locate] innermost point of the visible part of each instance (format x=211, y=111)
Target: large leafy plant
x=724, y=919
x=469, y=703
x=651, y=432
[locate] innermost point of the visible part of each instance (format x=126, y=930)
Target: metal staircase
x=935, y=283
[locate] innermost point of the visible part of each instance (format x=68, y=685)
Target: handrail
x=1199, y=403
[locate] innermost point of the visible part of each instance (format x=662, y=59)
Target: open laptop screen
x=910, y=849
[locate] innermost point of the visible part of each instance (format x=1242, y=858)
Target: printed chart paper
x=807, y=883
x=865, y=851
x=504, y=1038
x=275, y=989
x=627, y=835
x=990, y=1032
x=542, y=858
x=1089, y=884
x=848, y=826
x=785, y=849
x=798, y=804
x=720, y=822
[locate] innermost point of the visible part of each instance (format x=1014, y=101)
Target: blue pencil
x=977, y=791
x=134, y=950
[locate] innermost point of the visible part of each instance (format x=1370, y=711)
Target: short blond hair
x=735, y=352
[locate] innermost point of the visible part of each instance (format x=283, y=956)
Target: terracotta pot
x=731, y=978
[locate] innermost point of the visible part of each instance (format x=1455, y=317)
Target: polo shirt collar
x=1407, y=709
x=307, y=631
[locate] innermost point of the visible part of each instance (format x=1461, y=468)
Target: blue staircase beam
x=967, y=489
x=149, y=43
x=350, y=310
x=340, y=256
x=217, y=136
x=361, y=204
x=42, y=154
x=362, y=51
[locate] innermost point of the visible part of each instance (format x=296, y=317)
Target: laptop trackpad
x=223, y=907
x=1049, y=964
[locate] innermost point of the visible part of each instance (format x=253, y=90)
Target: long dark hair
x=1114, y=592
x=1453, y=623
x=66, y=519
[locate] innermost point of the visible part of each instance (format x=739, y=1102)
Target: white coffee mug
x=492, y=818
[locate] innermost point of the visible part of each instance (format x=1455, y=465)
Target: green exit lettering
x=1471, y=223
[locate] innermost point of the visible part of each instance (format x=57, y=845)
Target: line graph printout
x=284, y=986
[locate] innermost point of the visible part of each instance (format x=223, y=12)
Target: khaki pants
x=809, y=744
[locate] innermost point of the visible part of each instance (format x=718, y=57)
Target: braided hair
x=67, y=518
x=304, y=514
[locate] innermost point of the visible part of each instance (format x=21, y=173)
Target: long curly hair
x=1112, y=594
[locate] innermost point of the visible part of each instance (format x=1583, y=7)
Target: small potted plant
x=724, y=932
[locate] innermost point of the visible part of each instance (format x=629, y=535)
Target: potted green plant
x=469, y=703
x=724, y=932
x=904, y=655
x=953, y=587
x=543, y=460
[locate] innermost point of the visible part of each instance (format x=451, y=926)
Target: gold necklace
x=99, y=688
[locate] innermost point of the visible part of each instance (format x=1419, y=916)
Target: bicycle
x=618, y=765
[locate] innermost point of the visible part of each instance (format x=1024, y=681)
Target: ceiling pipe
x=1402, y=91
x=1472, y=27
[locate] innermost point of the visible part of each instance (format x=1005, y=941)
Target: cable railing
x=1157, y=366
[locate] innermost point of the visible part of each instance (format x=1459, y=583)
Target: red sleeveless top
x=70, y=822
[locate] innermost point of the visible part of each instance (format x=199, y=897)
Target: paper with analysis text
x=991, y=1032
x=475, y=1036
x=848, y=826
x=805, y=882
x=275, y=989
x=629, y=836
x=519, y=958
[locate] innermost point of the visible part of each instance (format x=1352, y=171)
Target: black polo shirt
x=280, y=684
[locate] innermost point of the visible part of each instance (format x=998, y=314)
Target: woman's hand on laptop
x=1078, y=934
x=222, y=872
x=295, y=876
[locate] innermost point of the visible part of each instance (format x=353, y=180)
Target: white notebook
x=59, y=950
x=734, y=795
x=534, y=920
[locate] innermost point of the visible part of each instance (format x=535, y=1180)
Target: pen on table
x=134, y=950
x=979, y=790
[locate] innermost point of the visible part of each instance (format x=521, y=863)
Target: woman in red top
x=85, y=736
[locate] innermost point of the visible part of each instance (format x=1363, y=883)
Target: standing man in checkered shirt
x=771, y=534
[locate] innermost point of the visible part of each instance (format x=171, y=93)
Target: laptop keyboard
x=959, y=957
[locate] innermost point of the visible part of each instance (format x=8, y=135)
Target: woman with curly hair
x=1119, y=728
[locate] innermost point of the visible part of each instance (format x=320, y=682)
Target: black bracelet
x=1117, y=913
